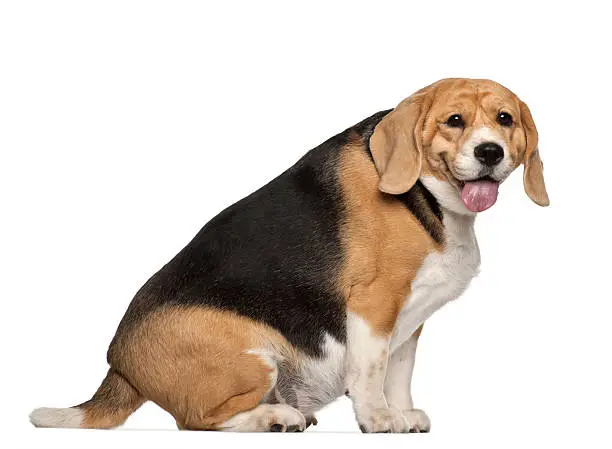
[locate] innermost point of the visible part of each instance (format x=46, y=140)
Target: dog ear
x=533, y=176
x=396, y=143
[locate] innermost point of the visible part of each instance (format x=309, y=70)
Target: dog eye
x=455, y=121
x=504, y=119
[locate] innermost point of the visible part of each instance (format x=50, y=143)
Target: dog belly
x=311, y=383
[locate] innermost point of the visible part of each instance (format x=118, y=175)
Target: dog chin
x=466, y=195
x=448, y=194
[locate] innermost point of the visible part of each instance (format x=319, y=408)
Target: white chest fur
x=442, y=277
x=311, y=383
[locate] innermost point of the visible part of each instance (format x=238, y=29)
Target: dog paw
x=418, y=421
x=286, y=419
x=383, y=420
x=311, y=420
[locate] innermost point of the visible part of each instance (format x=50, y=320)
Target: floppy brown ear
x=396, y=144
x=533, y=176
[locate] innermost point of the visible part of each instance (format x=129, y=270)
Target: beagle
x=319, y=283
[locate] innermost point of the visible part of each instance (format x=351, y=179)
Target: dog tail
x=109, y=407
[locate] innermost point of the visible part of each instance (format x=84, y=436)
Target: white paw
x=285, y=418
x=383, y=420
x=418, y=421
x=311, y=420
x=266, y=418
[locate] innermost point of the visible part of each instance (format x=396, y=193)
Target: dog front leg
x=398, y=383
x=366, y=367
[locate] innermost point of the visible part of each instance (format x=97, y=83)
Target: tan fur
x=385, y=244
x=418, y=332
x=112, y=403
x=396, y=143
x=533, y=177
x=195, y=363
x=204, y=366
x=413, y=139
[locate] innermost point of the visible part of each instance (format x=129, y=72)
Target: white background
x=125, y=126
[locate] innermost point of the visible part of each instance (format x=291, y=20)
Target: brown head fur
x=415, y=138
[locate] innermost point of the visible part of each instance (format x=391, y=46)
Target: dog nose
x=489, y=153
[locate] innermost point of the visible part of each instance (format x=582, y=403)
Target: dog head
x=469, y=133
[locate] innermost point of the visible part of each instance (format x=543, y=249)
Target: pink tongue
x=479, y=195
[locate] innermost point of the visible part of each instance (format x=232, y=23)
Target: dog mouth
x=479, y=194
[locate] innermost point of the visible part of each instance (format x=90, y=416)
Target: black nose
x=489, y=153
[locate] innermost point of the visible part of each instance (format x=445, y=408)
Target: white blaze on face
x=468, y=167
